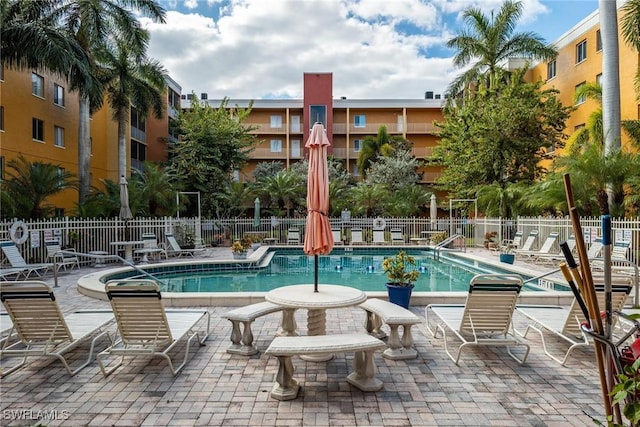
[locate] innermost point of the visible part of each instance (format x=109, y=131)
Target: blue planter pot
x=508, y=258
x=399, y=295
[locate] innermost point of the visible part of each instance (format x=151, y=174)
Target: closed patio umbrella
x=125, y=210
x=256, y=212
x=318, y=238
x=433, y=211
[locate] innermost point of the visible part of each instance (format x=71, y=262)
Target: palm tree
x=31, y=38
x=372, y=147
x=92, y=24
x=131, y=78
x=29, y=186
x=158, y=189
x=630, y=29
x=282, y=191
x=490, y=41
x=368, y=199
x=610, y=78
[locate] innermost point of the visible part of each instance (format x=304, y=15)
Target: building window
x=37, y=129
x=276, y=122
x=551, y=69
x=357, y=145
x=58, y=95
x=581, y=51
x=578, y=127
x=599, y=79
x=2, y=168
x=276, y=146
x=138, y=155
x=58, y=136
x=359, y=120
x=1, y=117
x=598, y=41
x=582, y=98
x=59, y=212
x=37, y=85
x=317, y=114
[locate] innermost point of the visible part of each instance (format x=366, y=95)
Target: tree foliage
x=27, y=191
x=394, y=172
x=499, y=136
x=213, y=143
x=487, y=42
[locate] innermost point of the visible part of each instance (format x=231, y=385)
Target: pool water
x=362, y=271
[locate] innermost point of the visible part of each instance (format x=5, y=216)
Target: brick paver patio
x=219, y=389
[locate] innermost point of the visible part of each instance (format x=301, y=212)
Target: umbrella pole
x=315, y=273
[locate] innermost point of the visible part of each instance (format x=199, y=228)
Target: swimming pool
x=360, y=268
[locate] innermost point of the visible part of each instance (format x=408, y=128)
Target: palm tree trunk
x=610, y=74
x=610, y=82
x=84, y=149
x=122, y=142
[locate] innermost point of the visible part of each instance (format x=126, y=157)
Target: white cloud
x=261, y=48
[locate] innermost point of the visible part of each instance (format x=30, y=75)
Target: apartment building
x=39, y=120
x=282, y=126
x=579, y=61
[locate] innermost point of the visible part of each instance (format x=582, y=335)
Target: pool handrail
x=101, y=257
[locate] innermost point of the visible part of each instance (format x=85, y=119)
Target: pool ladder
x=448, y=241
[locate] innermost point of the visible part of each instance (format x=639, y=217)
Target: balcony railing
x=266, y=128
x=266, y=153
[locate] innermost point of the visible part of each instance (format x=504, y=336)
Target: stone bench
x=242, y=338
x=363, y=377
x=380, y=312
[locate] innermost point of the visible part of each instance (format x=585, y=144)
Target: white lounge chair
x=61, y=260
x=396, y=237
x=356, y=236
x=564, y=322
x=293, y=237
x=620, y=249
x=378, y=238
x=174, y=248
x=556, y=257
x=527, y=246
x=508, y=245
x=544, y=250
x=150, y=248
x=146, y=328
x=16, y=260
x=595, y=248
x=11, y=273
x=484, y=320
x=38, y=327
x=337, y=236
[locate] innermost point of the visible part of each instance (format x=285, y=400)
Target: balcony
x=138, y=135
x=265, y=128
x=267, y=154
x=392, y=128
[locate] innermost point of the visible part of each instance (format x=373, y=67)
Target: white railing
x=87, y=235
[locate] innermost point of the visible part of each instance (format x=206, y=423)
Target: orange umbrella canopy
x=318, y=239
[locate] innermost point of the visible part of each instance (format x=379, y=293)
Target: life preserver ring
x=379, y=223
x=18, y=232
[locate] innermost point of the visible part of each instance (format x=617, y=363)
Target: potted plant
x=402, y=273
x=239, y=248
x=506, y=254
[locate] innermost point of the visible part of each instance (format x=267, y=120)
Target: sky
x=376, y=49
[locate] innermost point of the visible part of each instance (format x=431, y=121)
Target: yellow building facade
x=39, y=120
x=579, y=61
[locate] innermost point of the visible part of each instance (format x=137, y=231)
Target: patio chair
x=397, y=238
x=11, y=273
x=620, y=249
x=545, y=249
x=356, y=236
x=564, y=322
x=150, y=248
x=40, y=329
x=337, y=236
x=16, y=260
x=146, y=328
x=378, y=238
x=527, y=246
x=595, y=248
x=547, y=258
x=293, y=237
x=507, y=245
x=61, y=260
x=174, y=248
x=484, y=320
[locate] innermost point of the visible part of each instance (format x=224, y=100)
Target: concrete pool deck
x=219, y=389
